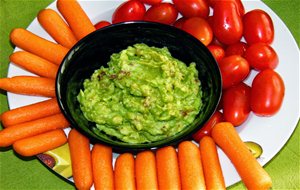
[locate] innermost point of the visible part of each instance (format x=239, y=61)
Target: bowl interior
x=95, y=50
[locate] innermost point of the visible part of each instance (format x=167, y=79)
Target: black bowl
x=95, y=50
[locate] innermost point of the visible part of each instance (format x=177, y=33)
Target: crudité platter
x=271, y=133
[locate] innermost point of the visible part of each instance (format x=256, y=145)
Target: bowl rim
x=123, y=146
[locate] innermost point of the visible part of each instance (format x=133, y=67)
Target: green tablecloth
x=21, y=173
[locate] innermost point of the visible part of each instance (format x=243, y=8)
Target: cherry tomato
x=227, y=24
x=129, y=11
x=240, y=7
x=102, y=24
x=238, y=48
x=192, y=8
x=151, y=2
x=206, y=129
x=163, y=13
x=267, y=93
x=236, y=103
x=217, y=51
x=179, y=22
x=258, y=27
x=238, y=3
x=234, y=69
x=199, y=28
x=261, y=56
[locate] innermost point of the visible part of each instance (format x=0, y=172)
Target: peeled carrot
x=34, y=64
x=211, y=165
x=39, y=46
x=13, y=133
x=124, y=172
x=190, y=166
x=40, y=143
x=167, y=168
x=251, y=172
x=102, y=167
x=81, y=160
x=30, y=112
x=29, y=85
x=56, y=27
x=75, y=16
x=145, y=171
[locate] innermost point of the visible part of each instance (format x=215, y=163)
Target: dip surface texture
x=144, y=95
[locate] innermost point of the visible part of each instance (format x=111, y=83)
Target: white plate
x=270, y=132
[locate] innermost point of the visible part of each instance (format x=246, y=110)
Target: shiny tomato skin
x=258, y=27
x=192, y=8
x=102, y=24
x=199, y=28
x=240, y=7
x=238, y=48
x=261, y=56
x=238, y=3
x=267, y=93
x=151, y=2
x=217, y=51
x=234, y=69
x=163, y=13
x=206, y=129
x=236, y=103
x=227, y=24
x=129, y=11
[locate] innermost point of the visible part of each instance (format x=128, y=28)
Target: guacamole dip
x=144, y=95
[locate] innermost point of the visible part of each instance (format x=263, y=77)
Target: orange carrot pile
x=29, y=85
x=14, y=133
x=124, y=172
x=34, y=64
x=40, y=143
x=145, y=171
x=56, y=27
x=30, y=112
x=75, y=16
x=102, y=167
x=191, y=172
x=211, y=165
x=167, y=168
x=251, y=172
x=41, y=47
x=81, y=160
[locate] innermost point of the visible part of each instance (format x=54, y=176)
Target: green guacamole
x=144, y=95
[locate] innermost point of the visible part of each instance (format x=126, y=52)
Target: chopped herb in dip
x=144, y=95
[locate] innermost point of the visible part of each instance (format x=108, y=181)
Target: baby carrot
x=34, y=64
x=190, y=167
x=211, y=165
x=102, y=167
x=39, y=46
x=40, y=143
x=124, y=172
x=29, y=85
x=145, y=171
x=56, y=27
x=30, y=112
x=251, y=172
x=167, y=168
x=75, y=16
x=81, y=160
x=16, y=132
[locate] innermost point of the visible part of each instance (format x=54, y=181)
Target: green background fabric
x=28, y=173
